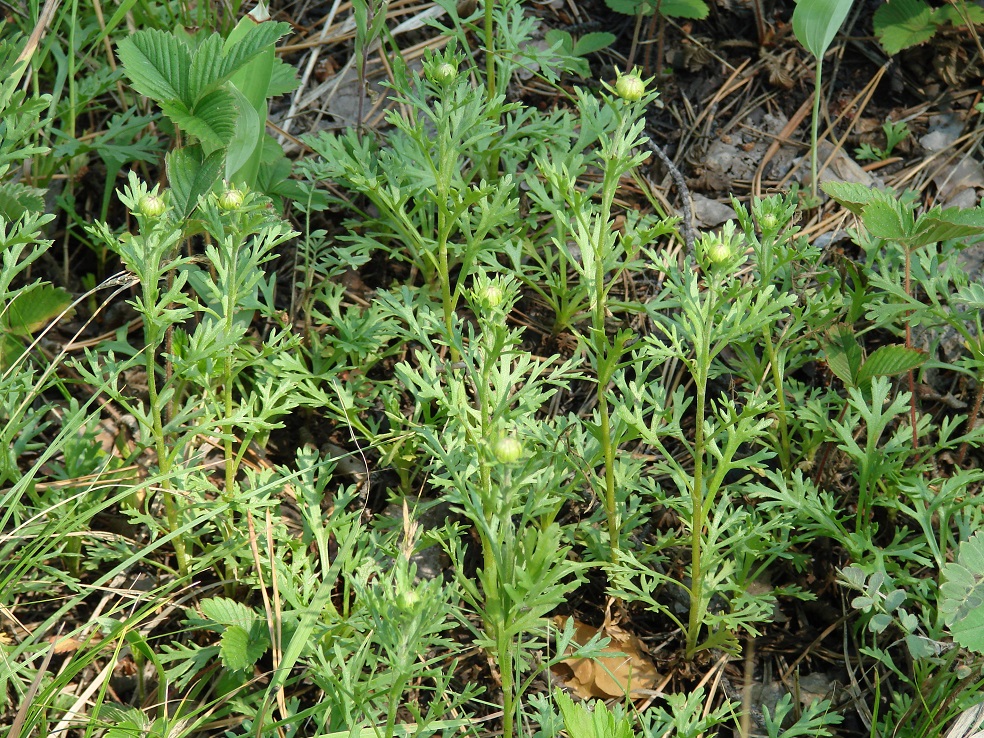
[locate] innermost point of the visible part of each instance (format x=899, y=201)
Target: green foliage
x=31, y=309
x=816, y=22
x=695, y=9
x=906, y=23
x=962, y=593
x=599, y=722
x=816, y=720
x=678, y=454
x=895, y=133
x=244, y=634
x=845, y=359
x=213, y=90
x=589, y=43
x=19, y=123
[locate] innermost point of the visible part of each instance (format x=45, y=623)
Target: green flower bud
x=630, y=87
x=491, y=296
x=231, y=199
x=508, y=450
x=407, y=598
x=718, y=252
x=443, y=73
x=152, y=206
x=769, y=222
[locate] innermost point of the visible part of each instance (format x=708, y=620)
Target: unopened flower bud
x=491, y=296
x=152, y=206
x=630, y=87
x=718, y=252
x=443, y=73
x=769, y=222
x=508, y=450
x=407, y=598
x=231, y=200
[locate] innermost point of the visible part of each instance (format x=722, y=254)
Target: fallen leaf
x=623, y=668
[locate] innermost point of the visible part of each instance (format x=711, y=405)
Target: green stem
x=609, y=453
x=151, y=337
x=492, y=168
x=442, y=265
x=490, y=81
x=697, y=525
x=607, y=353
x=396, y=692
x=605, y=358
x=702, y=360
x=777, y=380
x=446, y=160
x=506, y=675
x=496, y=514
x=231, y=462
x=908, y=345
x=814, y=126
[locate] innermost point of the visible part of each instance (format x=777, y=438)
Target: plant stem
x=496, y=514
x=908, y=345
x=697, y=503
x=230, y=252
x=490, y=81
x=972, y=419
x=706, y=308
x=151, y=339
x=605, y=358
x=814, y=126
x=445, y=276
x=607, y=353
x=777, y=380
x=506, y=676
x=446, y=160
x=609, y=454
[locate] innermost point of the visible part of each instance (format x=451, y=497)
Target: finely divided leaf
x=971, y=296
x=16, y=198
x=157, y=64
